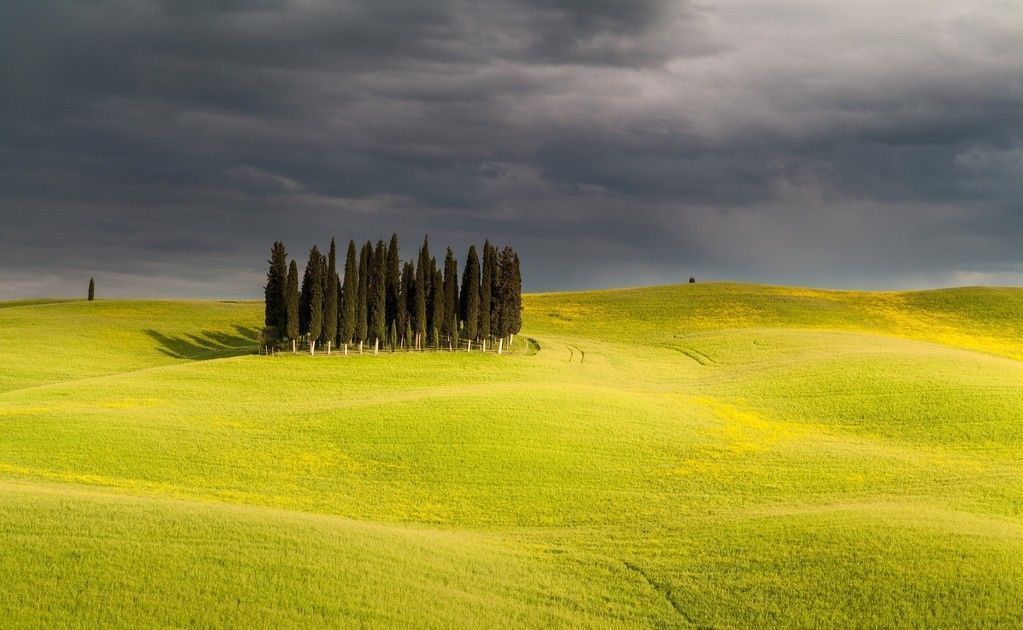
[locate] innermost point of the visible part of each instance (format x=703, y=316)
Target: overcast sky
x=161, y=146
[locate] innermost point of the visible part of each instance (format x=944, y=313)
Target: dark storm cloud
x=162, y=145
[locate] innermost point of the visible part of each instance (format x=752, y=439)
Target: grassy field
x=703, y=455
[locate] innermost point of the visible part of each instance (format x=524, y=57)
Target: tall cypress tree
x=422, y=283
x=321, y=270
x=92, y=289
x=341, y=312
x=495, y=293
x=276, y=279
x=393, y=288
x=432, y=286
x=424, y=262
x=378, y=295
x=436, y=315
x=330, y=299
x=515, y=296
x=450, y=321
x=504, y=302
x=470, y=295
x=291, y=327
x=365, y=262
x=305, y=298
x=486, y=289
x=406, y=302
x=315, y=273
x=350, y=296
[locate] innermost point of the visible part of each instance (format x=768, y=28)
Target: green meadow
x=708, y=455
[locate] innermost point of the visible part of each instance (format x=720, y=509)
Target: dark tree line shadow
x=207, y=344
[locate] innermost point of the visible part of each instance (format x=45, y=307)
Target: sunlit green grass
x=726, y=455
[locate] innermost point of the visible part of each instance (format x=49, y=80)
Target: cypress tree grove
x=291, y=305
x=92, y=289
x=486, y=293
x=350, y=296
x=365, y=261
x=382, y=300
x=471, y=295
x=315, y=297
x=406, y=302
x=436, y=314
x=393, y=289
x=450, y=320
x=330, y=298
x=378, y=296
x=276, y=278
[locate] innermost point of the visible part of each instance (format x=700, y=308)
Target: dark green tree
x=393, y=289
x=330, y=298
x=436, y=314
x=449, y=323
x=423, y=277
x=316, y=263
x=378, y=296
x=424, y=262
x=406, y=303
x=291, y=328
x=515, y=297
x=350, y=296
x=505, y=293
x=432, y=317
x=276, y=278
x=92, y=289
x=338, y=310
x=470, y=294
x=495, y=293
x=486, y=291
x=322, y=269
x=365, y=264
x=310, y=276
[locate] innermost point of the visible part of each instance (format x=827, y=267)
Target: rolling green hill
x=701, y=455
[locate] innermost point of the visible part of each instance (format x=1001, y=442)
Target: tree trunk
x=328, y=348
x=511, y=340
x=500, y=345
x=376, y=346
x=470, y=346
x=293, y=348
x=360, y=346
x=312, y=347
x=346, y=348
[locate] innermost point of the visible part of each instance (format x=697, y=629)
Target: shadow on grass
x=208, y=344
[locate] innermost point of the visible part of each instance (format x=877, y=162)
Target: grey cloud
x=610, y=141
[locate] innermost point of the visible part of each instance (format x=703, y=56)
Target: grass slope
x=753, y=456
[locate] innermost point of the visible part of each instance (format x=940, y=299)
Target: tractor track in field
x=696, y=355
x=663, y=590
x=572, y=349
x=182, y=362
